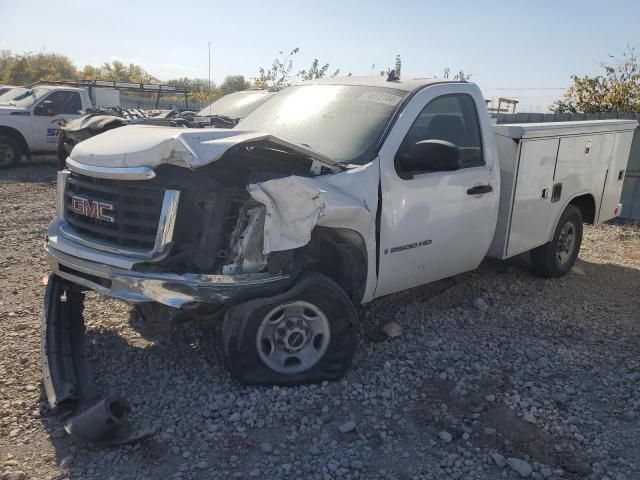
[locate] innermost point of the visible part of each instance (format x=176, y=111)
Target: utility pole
x=209, y=74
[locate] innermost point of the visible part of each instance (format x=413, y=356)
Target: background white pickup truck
x=30, y=122
x=332, y=193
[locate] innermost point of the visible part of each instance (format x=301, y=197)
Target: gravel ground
x=496, y=374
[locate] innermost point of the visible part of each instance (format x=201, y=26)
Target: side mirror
x=428, y=156
x=45, y=109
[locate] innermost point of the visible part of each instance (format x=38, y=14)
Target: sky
x=518, y=49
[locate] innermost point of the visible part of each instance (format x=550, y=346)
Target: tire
x=306, y=335
x=10, y=152
x=557, y=257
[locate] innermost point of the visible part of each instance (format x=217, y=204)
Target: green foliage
x=234, y=83
x=30, y=67
x=460, y=76
x=618, y=90
x=199, y=90
x=315, y=71
x=119, y=72
x=279, y=74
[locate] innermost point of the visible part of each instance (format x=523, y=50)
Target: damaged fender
x=296, y=205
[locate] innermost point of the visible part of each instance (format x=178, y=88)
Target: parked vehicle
x=5, y=88
x=9, y=95
x=30, y=121
x=331, y=194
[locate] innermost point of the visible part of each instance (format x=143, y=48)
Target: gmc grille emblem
x=92, y=208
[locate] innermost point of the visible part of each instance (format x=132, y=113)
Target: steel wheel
x=7, y=154
x=566, y=242
x=293, y=337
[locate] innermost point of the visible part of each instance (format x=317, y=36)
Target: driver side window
x=452, y=118
x=64, y=103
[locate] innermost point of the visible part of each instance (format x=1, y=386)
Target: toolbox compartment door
x=532, y=196
x=609, y=206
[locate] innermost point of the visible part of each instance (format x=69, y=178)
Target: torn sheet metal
x=150, y=146
x=295, y=205
x=94, y=123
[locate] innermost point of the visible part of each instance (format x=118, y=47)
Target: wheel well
x=17, y=136
x=342, y=256
x=587, y=206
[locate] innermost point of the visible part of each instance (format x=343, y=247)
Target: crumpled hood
x=92, y=122
x=150, y=146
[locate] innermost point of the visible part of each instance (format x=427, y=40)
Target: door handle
x=479, y=190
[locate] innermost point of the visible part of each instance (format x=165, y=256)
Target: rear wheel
x=555, y=258
x=307, y=334
x=10, y=152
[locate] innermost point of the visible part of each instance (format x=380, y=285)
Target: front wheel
x=10, y=152
x=305, y=335
x=555, y=258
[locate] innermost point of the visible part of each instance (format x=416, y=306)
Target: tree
x=279, y=75
x=199, y=90
x=234, y=83
x=316, y=71
x=618, y=90
x=119, y=72
x=16, y=69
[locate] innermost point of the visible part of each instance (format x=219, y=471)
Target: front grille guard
x=164, y=235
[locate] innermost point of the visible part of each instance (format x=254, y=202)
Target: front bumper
x=114, y=276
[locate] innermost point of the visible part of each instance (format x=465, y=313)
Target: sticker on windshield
x=379, y=97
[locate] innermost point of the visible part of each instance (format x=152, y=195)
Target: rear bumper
x=114, y=276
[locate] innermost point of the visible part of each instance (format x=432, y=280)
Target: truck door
x=49, y=114
x=435, y=224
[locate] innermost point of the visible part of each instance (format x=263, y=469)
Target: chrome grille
x=136, y=213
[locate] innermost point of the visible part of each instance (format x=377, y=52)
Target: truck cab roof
x=406, y=83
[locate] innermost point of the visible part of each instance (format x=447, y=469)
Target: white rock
x=445, y=437
x=578, y=271
x=543, y=362
x=348, y=426
x=529, y=418
x=392, y=329
x=519, y=466
x=498, y=459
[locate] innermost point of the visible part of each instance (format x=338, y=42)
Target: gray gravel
x=495, y=374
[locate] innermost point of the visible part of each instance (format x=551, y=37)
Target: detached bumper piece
x=66, y=374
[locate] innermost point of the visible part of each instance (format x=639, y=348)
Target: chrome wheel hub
x=566, y=242
x=293, y=337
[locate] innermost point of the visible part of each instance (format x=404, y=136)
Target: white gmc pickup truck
x=331, y=194
x=30, y=122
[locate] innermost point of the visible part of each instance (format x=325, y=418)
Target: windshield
x=12, y=93
x=28, y=97
x=342, y=121
x=236, y=105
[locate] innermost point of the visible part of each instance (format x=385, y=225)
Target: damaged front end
x=194, y=221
